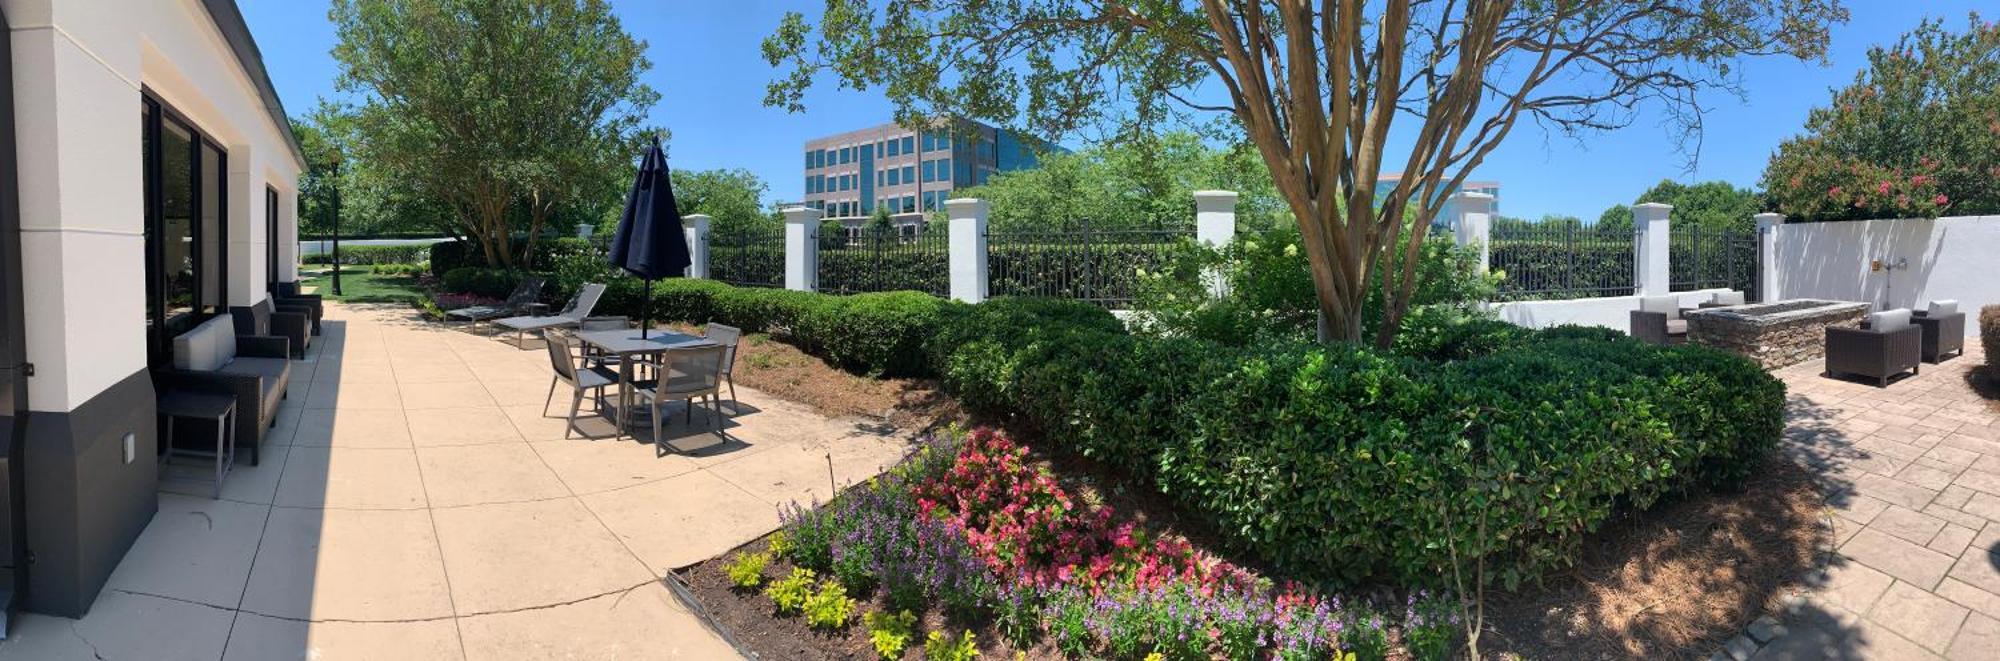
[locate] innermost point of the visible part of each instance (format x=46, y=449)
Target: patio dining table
x=630, y=344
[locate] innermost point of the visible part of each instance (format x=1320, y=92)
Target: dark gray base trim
x=85, y=504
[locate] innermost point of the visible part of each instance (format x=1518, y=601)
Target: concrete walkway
x=1912, y=473
x=415, y=502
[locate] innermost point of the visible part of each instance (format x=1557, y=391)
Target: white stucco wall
x=1609, y=311
x=1949, y=258
x=79, y=67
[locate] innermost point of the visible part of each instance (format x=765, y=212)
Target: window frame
x=160, y=328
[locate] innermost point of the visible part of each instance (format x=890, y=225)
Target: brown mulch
x=1673, y=582
x=782, y=370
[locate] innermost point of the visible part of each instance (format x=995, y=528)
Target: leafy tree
x=1714, y=205
x=1316, y=86
x=733, y=197
x=1148, y=181
x=1916, y=134
x=1618, y=217
x=509, y=112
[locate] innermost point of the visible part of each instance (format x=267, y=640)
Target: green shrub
x=941, y=646
x=890, y=634
x=1989, y=338
x=746, y=570
x=372, y=254
x=491, y=283
x=880, y=333
x=830, y=607
x=789, y=594
x=1345, y=464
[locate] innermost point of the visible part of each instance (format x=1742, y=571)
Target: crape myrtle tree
x=1316, y=86
x=507, y=111
x=1916, y=134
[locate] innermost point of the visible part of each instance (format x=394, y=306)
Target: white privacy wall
x=79, y=68
x=1948, y=258
x=1606, y=311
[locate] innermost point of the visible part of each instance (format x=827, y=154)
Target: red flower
x=1940, y=200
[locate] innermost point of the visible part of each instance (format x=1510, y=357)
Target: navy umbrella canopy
x=650, y=243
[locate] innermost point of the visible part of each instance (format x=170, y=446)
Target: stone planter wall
x=1774, y=334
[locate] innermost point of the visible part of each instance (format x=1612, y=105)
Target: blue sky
x=711, y=78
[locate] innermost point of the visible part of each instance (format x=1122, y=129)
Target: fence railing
x=1561, y=261
x=872, y=259
x=1702, y=258
x=1100, y=266
x=748, y=256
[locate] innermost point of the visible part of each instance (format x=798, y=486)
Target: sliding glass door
x=187, y=235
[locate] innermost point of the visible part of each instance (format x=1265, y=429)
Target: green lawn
x=359, y=286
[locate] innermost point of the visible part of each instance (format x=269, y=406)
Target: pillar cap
x=966, y=206
x=803, y=215
x=1769, y=219
x=1473, y=195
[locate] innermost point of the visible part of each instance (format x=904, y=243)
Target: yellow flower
x=1292, y=250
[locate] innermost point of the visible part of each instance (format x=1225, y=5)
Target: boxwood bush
x=880, y=333
x=1345, y=464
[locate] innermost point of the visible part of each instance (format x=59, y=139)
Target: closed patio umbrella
x=650, y=243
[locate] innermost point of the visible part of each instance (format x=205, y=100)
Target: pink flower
x=1940, y=200
x=1882, y=188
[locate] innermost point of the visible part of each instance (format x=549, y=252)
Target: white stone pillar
x=1767, y=256
x=802, y=248
x=288, y=233
x=968, y=248
x=1215, y=227
x=696, y=226
x=1474, y=224
x=1649, y=246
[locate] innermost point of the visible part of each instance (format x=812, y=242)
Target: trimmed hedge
x=1349, y=465
x=398, y=254
x=491, y=283
x=446, y=256
x=880, y=333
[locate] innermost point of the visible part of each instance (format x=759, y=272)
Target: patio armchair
x=525, y=294
x=254, y=369
x=263, y=319
x=286, y=297
x=728, y=337
x=1885, y=346
x=1723, y=299
x=1944, y=330
x=1658, y=320
x=580, y=377
x=689, y=375
x=571, y=315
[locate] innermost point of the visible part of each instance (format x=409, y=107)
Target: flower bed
x=985, y=544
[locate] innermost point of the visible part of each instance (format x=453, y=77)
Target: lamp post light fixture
x=334, y=187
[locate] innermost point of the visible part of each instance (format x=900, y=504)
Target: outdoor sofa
x=1885, y=346
x=571, y=315
x=263, y=318
x=1658, y=320
x=1724, y=299
x=1944, y=330
x=255, y=369
x=286, y=297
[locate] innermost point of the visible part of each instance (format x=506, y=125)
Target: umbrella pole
x=646, y=310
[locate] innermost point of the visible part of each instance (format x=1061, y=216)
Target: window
x=895, y=147
x=909, y=144
x=930, y=143
x=910, y=173
x=878, y=149
x=944, y=141
x=944, y=169
x=270, y=239
x=909, y=203
x=893, y=179
x=187, y=269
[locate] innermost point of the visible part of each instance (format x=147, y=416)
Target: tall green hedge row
x=352, y=254
x=1334, y=463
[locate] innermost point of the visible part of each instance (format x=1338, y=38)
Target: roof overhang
x=229, y=20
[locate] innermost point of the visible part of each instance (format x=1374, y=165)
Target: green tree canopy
x=508, y=112
x=1148, y=181
x=734, y=198
x=1714, y=205
x=1316, y=87
x=1916, y=134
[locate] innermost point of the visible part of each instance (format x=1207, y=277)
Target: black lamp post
x=333, y=184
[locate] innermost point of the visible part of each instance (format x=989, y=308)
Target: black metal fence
x=877, y=258
x=1701, y=258
x=1561, y=261
x=1097, y=265
x=748, y=256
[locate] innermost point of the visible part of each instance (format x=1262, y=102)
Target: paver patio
x=414, y=502
x=1912, y=476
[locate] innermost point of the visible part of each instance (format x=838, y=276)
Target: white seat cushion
x=206, y=347
x=1728, y=298
x=1888, y=321
x=1944, y=308
x=1669, y=304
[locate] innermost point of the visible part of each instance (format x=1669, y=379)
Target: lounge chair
x=262, y=319
x=254, y=369
x=1886, y=345
x=525, y=294
x=1658, y=320
x=1944, y=330
x=571, y=316
x=286, y=298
